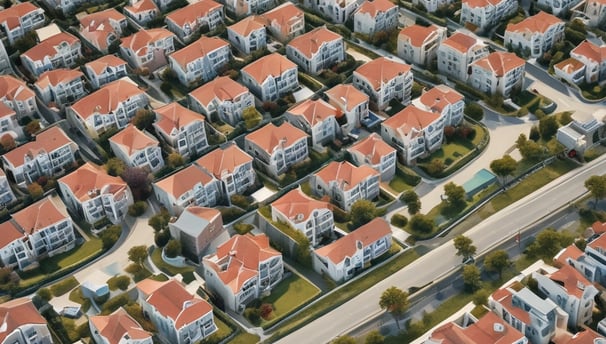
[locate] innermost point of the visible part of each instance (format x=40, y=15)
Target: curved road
x=443, y=259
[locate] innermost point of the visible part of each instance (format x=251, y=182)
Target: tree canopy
x=412, y=201
x=455, y=195
x=362, y=212
x=137, y=254
x=497, y=261
x=464, y=246
x=597, y=187
x=144, y=119
x=504, y=167
x=472, y=277
x=395, y=301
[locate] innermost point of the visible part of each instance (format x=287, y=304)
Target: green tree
x=175, y=160
x=173, y=248
x=160, y=220
x=597, y=187
x=138, y=254
x=137, y=209
x=395, y=301
x=412, y=201
x=530, y=150
x=35, y=190
x=548, y=127
x=144, y=119
x=362, y=212
x=115, y=167
x=110, y=236
x=548, y=243
x=471, y=277
x=251, y=117
x=474, y=111
x=435, y=167
x=344, y=340
x=161, y=238
x=45, y=294
x=421, y=223
x=480, y=297
x=464, y=246
x=374, y=337
x=455, y=195
x=504, y=167
x=497, y=261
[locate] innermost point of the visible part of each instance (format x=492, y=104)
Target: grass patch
x=479, y=311
x=245, y=338
x=398, y=184
x=64, y=286
x=156, y=258
x=76, y=296
x=223, y=332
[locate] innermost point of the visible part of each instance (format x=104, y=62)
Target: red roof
x=14, y=89
x=9, y=233
x=346, y=174
x=49, y=46
x=297, y=206
x=198, y=49
x=539, y=23
x=89, y=179
x=571, y=280
x=269, y=65
x=411, y=120
x=132, y=140
x=418, y=34
x=142, y=6
x=248, y=25
x=191, y=12
x=489, y=329
x=314, y=111
x=346, y=96
x=16, y=313
x=504, y=297
x=101, y=64
x=106, y=99
x=57, y=76
x=374, y=7
x=500, y=63
x=381, y=70
x=13, y=14
x=590, y=51
x=39, y=215
x=175, y=116
x=270, y=136
x=224, y=160
x=461, y=42
x=183, y=181
x=46, y=141
x=439, y=97
x=372, y=147
x=310, y=43
x=572, y=252
x=119, y=325
x=222, y=88
x=284, y=15
x=142, y=40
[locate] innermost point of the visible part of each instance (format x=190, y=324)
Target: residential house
x=445, y=101
x=201, y=61
x=488, y=329
x=243, y=269
x=60, y=86
x=248, y=35
x=534, y=35
x=15, y=94
x=49, y=155
x=14, y=252
x=345, y=183
x=586, y=335
x=419, y=44
x=95, y=195
x=350, y=254
x=179, y=316
x=137, y=149
x=351, y=103
x=47, y=226
x=430, y=5
x=571, y=291
x=117, y=328
x=593, y=56
x=570, y=70
x=498, y=73
x=222, y=99
x=458, y=52
x=383, y=80
x=414, y=132
x=590, y=262
x=307, y=215
x=595, y=10
x=285, y=22
x=317, y=118
x=5, y=62
x=316, y=50
x=186, y=22
x=20, y=19
x=558, y=8
x=584, y=130
x=189, y=186
x=147, y=49
x=9, y=124
x=109, y=108
x=277, y=148
x=195, y=229
x=142, y=11
x=104, y=70
x=271, y=77
x=375, y=16
x=536, y=318
x=58, y=51
x=102, y=29
x=374, y=152
x=182, y=129
x=486, y=14
x=232, y=166
x=243, y=8
x=6, y=193
x=66, y=7
x=338, y=11
x=22, y=323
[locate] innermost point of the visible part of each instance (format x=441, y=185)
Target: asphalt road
x=442, y=260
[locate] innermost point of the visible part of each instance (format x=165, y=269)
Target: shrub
x=421, y=223
x=399, y=220
x=435, y=167
x=35, y=190
x=119, y=282
x=110, y=236
x=172, y=249
x=161, y=238
x=243, y=228
x=114, y=303
x=137, y=208
x=45, y=294
x=266, y=310
x=252, y=314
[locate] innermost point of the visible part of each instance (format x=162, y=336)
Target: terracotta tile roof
x=500, y=63
x=39, y=216
x=297, y=206
x=190, y=13
x=89, y=180
x=439, y=97
x=269, y=65
x=172, y=301
x=9, y=233
x=16, y=313
x=142, y=6
x=411, y=120
x=131, y=140
x=504, y=297
x=570, y=65
x=96, y=27
x=5, y=110
x=57, y=76
x=314, y=111
x=101, y=64
x=207, y=214
x=373, y=7
x=481, y=3
x=198, y=49
x=570, y=279
x=224, y=160
x=245, y=253
x=183, y=181
x=591, y=51
x=345, y=174
x=283, y=15
x=418, y=34
x=346, y=246
x=347, y=96
x=599, y=227
x=572, y=252
x=270, y=136
x=539, y=23
x=101, y=18
x=119, y=325
x=14, y=89
x=174, y=116
x=140, y=41
x=248, y=25
x=482, y=332
x=106, y=99
x=48, y=47
x=381, y=70
x=584, y=336
x=310, y=43
x=222, y=88
x=373, y=147
x=12, y=14
x=600, y=242
x=461, y=42
x=46, y=141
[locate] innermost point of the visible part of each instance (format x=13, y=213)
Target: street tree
x=374, y=337
x=344, y=340
x=504, y=167
x=455, y=195
x=597, y=187
x=144, y=119
x=529, y=149
x=110, y=235
x=497, y=261
x=548, y=243
x=138, y=254
x=362, y=212
x=412, y=201
x=464, y=246
x=471, y=277
x=480, y=297
x=395, y=301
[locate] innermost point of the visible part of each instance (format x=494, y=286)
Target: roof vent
x=580, y=285
x=233, y=253
x=498, y=327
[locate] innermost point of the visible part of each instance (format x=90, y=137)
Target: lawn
x=156, y=258
x=398, y=184
x=76, y=296
x=223, y=332
x=64, y=286
x=287, y=296
x=245, y=338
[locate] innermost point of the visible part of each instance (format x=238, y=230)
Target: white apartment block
x=64, y=6
x=595, y=10
x=194, y=18
x=558, y=8
x=104, y=70
x=285, y=22
x=316, y=50
x=376, y=16
x=137, y=149
x=182, y=129
x=222, y=99
x=118, y=327
x=26, y=325
x=60, y=86
x=248, y=35
x=147, y=48
x=201, y=61
x=383, y=80
x=20, y=19
x=6, y=193
x=535, y=35
x=271, y=77
x=9, y=125
x=431, y=5
x=419, y=44
x=232, y=166
x=14, y=251
x=594, y=59
x=102, y=29
x=58, y=51
x=498, y=73
x=458, y=52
